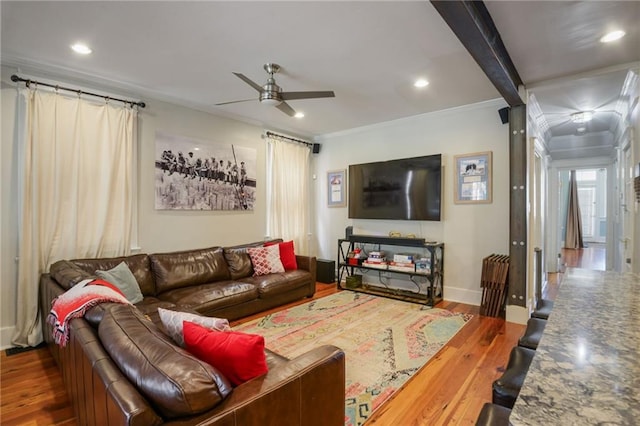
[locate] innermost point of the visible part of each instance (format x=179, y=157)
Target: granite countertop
x=586, y=370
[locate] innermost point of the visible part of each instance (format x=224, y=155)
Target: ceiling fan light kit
x=271, y=94
x=582, y=116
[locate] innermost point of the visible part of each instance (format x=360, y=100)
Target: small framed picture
x=336, y=188
x=473, y=183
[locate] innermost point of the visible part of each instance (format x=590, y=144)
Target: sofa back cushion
x=137, y=263
x=175, y=382
x=68, y=274
x=187, y=268
x=238, y=259
x=239, y=263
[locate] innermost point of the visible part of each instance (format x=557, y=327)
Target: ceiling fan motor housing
x=270, y=94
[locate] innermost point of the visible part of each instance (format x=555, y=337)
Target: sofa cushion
x=207, y=298
x=138, y=264
x=172, y=323
x=265, y=260
x=239, y=356
x=122, y=277
x=239, y=263
x=148, y=307
x=272, y=284
x=174, y=381
x=188, y=268
x=68, y=274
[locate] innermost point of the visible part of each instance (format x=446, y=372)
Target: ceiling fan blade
x=284, y=107
x=287, y=96
x=249, y=82
x=235, y=102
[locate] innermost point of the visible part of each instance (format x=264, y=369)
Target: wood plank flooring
x=449, y=390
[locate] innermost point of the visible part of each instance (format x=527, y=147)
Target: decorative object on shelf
x=473, y=182
x=336, y=184
x=353, y=281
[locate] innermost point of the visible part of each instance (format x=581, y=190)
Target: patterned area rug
x=385, y=341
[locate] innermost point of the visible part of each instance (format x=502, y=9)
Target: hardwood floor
x=593, y=256
x=449, y=390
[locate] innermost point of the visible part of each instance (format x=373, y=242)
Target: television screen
x=407, y=189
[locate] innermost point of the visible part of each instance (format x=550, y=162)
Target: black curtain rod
x=17, y=79
x=275, y=135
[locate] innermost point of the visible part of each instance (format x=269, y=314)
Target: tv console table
x=428, y=285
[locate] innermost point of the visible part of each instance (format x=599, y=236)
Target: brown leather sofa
x=120, y=368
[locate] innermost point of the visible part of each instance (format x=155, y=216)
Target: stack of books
x=376, y=260
x=402, y=262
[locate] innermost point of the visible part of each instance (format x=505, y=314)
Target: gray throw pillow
x=122, y=277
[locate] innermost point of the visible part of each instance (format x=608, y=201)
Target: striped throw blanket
x=76, y=301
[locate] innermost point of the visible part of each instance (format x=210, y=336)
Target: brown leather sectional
x=120, y=368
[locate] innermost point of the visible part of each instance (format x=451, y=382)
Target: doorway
x=592, y=198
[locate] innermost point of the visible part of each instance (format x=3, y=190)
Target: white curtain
x=76, y=189
x=288, y=192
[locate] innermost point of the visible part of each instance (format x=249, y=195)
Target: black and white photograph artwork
x=192, y=174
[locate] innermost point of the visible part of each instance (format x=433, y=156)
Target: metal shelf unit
x=429, y=295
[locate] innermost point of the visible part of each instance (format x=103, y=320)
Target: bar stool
x=507, y=387
x=533, y=333
x=493, y=415
x=543, y=309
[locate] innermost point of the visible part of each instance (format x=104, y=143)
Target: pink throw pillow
x=238, y=356
x=265, y=260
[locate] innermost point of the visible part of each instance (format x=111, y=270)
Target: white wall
x=166, y=230
x=470, y=231
x=635, y=140
x=8, y=219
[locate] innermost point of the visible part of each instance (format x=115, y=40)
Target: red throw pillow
x=239, y=356
x=287, y=254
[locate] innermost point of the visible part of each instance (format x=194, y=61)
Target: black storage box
x=326, y=271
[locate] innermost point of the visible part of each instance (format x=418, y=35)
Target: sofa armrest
x=307, y=263
x=307, y=390
x=49, y=290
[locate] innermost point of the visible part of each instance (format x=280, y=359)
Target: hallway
x=593, y=257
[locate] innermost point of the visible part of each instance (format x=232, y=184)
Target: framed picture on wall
x=336, y=188
x=473, y=183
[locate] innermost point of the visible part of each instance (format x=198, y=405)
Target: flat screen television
x=405, y=189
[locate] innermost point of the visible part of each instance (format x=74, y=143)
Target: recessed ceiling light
x=582, y=116
x=612, y=36
x=421, y=82
x=81, y=48
x=299, y=114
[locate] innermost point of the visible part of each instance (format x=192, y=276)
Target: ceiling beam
x=472, y=24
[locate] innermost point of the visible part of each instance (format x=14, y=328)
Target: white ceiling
x=368, y=53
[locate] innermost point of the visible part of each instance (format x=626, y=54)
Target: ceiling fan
x=272, y=94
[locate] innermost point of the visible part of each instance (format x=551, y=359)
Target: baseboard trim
x=463, y=295
x=517, y=314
